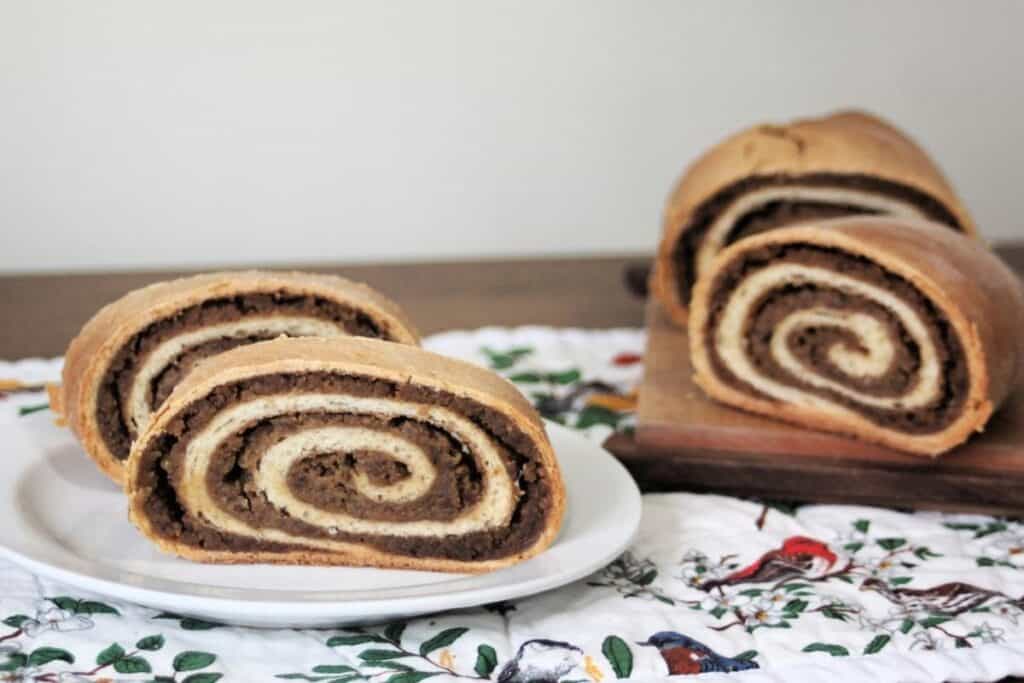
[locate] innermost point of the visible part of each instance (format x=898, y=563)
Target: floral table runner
x=713, y=586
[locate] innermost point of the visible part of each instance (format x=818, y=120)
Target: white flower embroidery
x=882, y=568
x=989, y=633
x=1008, y=611
x=1007, y=547
x=49, y=617
x=880, y=626
x=767, y=610
x=723, y=601
x=924, y=640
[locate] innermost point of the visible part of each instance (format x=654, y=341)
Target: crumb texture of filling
x=811, y=344
x=325, y=480
x=117, y=382
x=779, y=213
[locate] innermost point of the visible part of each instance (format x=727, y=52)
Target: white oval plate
x=64, y=520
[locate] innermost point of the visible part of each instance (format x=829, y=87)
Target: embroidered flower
x=723, y=602
x=1007, y=548
x=989, y=633
x=882, y=568
x=1007, y=610
x=49, y=617
x=885, y=626
x=924, y=640
x=765, y=611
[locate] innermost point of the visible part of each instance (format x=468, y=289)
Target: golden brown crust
x=849, y=142
x=363, y=357
x=980, y=297
x=90, y=353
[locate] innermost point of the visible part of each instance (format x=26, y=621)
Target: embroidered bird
x=541, y=661
x=799, y=556
x=684, y=655
x=948, y=599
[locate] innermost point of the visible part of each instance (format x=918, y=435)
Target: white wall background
x=139, y=134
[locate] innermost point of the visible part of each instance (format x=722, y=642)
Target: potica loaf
x=128, y=358
x=904, y=333
x=346, y=451
x=771, y=176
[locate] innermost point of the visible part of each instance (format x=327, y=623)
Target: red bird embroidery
x=799, y=557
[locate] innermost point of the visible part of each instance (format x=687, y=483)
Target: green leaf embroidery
x=192, y=624
x=752, y=592
x=190, y=660
x=205, y=677
x=862, y=525
x=834, y=650
x=564, y=377
x=16, y=620
x=442, y=639
x=111, y=654
x=28, y=410
x=486, y=660
x=790, y=587
x=525, y=378
x=335, y=641
x=833, y=613
x=597, y=415
x=393, y=632
x=331, y=669
x=924, y=552
x=412, y=676
x=43, y=655
x=504, y=360
x=900, y=580
x=906, y=626
x=877, y=643
x=795, y=605
x=132, y=665
x=891, y=543
x=933, y=620
x=718, y=612
x=746, y=656
x=380, y=655
x=618, y=655
x=15, y=661
x=150, y=642
x=853, y=547
x=93, y=607
x=189, y=623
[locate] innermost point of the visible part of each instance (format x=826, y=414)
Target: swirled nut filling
x=761, y=203
x=399, y=482
x=897, y=361
x=146, y=369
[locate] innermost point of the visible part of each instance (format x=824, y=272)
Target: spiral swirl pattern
x=843, y=326
x=346, y=451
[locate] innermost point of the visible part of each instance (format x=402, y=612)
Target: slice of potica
x=902, y=333
x=129, y=357
x=348, y=452
x=772, y=176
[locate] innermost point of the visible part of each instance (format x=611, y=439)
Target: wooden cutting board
x=686, y=441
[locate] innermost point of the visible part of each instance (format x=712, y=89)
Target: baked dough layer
x=769, y=176
x=130, y=355
x=214, y=476
x=898, y=332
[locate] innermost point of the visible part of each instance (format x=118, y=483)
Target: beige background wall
x=138, y=134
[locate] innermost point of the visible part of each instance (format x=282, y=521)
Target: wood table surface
x=41, y=313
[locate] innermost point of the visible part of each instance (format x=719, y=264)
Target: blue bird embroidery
x=684, y=655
